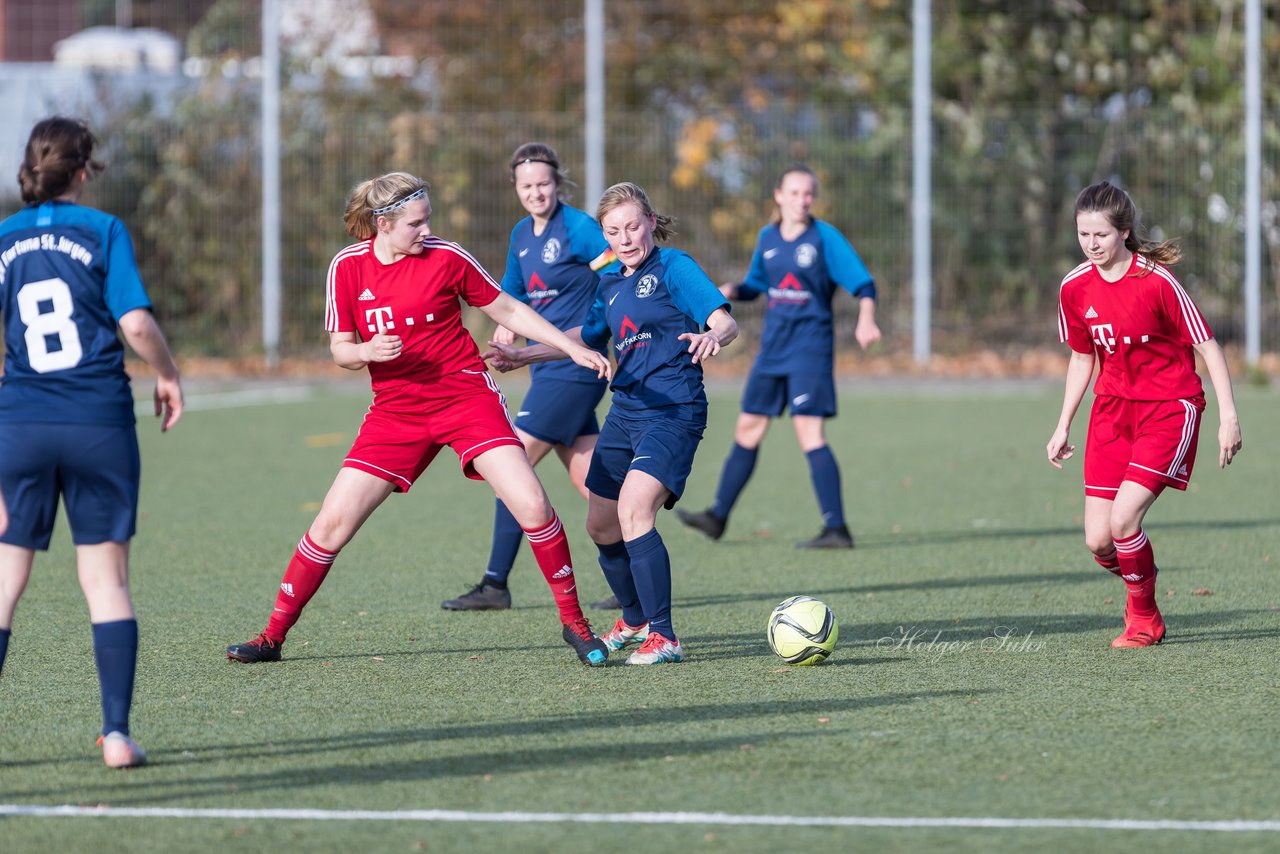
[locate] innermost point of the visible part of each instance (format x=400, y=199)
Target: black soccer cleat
x=482, y=597
x=706, y=522
x=591, y=650
x=834, y=537
x=261, y=648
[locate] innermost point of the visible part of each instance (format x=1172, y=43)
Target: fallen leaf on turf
x=1168, y=593
x=1108, y=601
x=824, y=720
x=473, y=658
x=1202, y=591
x=378, y=658
x=781, y=670
x=325, y=440
x=745, y=747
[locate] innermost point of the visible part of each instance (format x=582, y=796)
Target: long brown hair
x=383, y=196
x=58, y=148
x=1116, y=205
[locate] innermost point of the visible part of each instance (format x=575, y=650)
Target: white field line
x=652, y=818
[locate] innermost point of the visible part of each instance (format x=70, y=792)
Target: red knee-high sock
x=1110, y=561
x=306, y=572
x=551, y=550
x=1138, y=569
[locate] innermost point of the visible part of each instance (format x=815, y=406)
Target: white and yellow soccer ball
x=802, y=631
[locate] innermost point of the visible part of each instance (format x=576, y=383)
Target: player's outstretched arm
x=1229, y=438
x=523, y=320
x=143, y=334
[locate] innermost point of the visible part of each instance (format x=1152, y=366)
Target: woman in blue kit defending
x=68, y=284
x=554, y=262
x=798, y=263
x=665, y=318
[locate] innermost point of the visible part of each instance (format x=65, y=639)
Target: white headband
x=416, y=194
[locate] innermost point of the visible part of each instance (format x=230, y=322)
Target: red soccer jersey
x=416, y=298
x=1143, y=329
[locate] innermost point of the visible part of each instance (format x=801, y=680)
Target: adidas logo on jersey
x=367, y=295
x=1088, y=315
x=1182, y=470
x=287, y=588
x=564, y=572
x=1133, y=576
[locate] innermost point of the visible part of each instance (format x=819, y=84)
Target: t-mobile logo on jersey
x=379, y=319
x=1105, y=336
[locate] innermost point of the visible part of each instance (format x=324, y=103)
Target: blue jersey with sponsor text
x=556, y=272
x=645, y=313
x=799, y=278
x=67, y=276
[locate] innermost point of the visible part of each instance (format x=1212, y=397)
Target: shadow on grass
x=989, y=631
x=934, y=583
x=580, y=740
x=867, y=542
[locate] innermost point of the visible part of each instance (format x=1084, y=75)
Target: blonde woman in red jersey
x=1125, y=312
x=394, y=306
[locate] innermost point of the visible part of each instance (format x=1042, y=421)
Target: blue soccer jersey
x=556, y=272
x=644, y=314
x=67, y=276
x=799, y=277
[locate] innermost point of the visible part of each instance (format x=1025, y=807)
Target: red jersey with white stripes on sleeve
x=417, y=298
x=1143, y=329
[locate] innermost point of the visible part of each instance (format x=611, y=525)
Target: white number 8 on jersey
x=43, y=324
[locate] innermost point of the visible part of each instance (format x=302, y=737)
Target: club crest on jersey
x=806, y=254
x=550, y=251
x=646, y=286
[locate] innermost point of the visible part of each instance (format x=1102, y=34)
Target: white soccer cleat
x=120, y=751
x=657, y=650
x=621, y=634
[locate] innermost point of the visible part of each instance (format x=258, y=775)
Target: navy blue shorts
x=559, y=411
x=95, y=468
x=806, y=394
x=660, y=445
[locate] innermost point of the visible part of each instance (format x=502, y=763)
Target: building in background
x=30, y=28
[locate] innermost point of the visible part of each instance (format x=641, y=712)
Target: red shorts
x=407, y=425
x=1150, y=442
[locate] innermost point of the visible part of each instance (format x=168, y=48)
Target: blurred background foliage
x=707, y=101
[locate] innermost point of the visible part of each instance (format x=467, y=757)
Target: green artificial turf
x=973, y=677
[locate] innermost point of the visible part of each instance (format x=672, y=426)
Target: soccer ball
x=802, y=631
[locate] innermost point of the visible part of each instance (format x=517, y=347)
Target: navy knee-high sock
x=737, y=470
x=651, y=569
x=4, y=646
x=115, y=649
x=824, y=471
x=506, y=543
x=616, y=564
